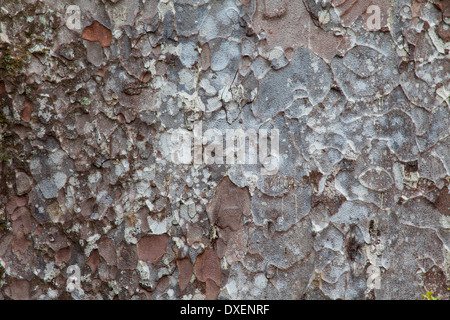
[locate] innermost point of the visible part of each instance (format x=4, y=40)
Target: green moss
x=4, y=156
x=429, y=296
x=3, y=118
x=2, y=271
x=85, y=101
x=3, y=226
x=13, y=62
x=32, y=39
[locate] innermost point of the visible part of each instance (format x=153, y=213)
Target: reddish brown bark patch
x=15, y=202
x=212, y=290
x=94, y=260
x=21, y=221
x=444, y=33
x=20, y=289
x=163, y=284
x=152, y=248
x=444, y=6
x=443, y=202
x=185, y=271
x=207, y=266
x=288, y=24
x=435, y=281
x=63, y=255
x=97, y=32
x=107, y=251
x=127, y=258
x=26, y=114
x=228, y=206
x=20, y=243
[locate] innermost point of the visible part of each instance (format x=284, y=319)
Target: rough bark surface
x=87, y=179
